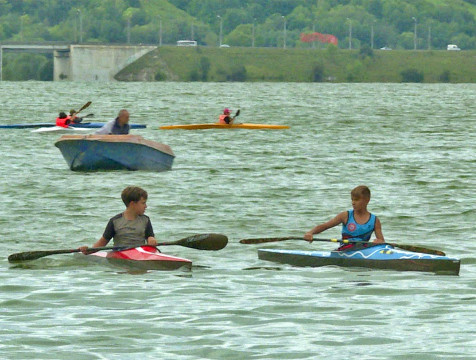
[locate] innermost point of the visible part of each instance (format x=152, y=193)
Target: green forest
x=396, y=24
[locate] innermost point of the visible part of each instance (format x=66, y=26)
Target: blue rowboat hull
x=88, y=125
x=114, y=152
x=378, y=257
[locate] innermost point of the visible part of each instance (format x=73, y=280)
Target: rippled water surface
x=413, y=145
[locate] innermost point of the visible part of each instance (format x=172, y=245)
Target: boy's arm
x=339, y=219
x=378, y=232
x=100, y=243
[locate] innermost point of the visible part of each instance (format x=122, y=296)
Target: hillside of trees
x=438, y=23
x=262, y=23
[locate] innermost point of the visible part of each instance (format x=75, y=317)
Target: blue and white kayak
x=87, y=125
x=382, y=256
x=60, y=130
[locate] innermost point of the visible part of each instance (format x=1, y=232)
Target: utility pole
x=253, y=34
x=21, y=27
x=128, y=30
x=429, y=37
x=80, y=26
x=221, y=28
x=160, y=31
x=284, y=33
x=313, y=31
x=372, y=35
x=350, y=34
x=414, y=34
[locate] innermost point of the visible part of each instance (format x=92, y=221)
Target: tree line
x=264, y=23
x=396, y=24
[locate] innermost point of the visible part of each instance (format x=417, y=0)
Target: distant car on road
x=453, y=47
x=385, y=48
x=224, y=46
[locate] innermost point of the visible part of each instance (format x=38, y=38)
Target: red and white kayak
x=139, y=258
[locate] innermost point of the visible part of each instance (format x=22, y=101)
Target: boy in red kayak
x=130, y=228
x=357, y=224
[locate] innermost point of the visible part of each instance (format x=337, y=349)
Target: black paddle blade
x=237, y=113
x=203, y=242
x=33, y=255
x=265, y=240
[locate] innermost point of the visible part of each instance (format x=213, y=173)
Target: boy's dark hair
x=360, y=191
x=62, y=115
x=133, y=193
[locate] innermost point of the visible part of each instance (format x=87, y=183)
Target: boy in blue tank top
x=357, y=224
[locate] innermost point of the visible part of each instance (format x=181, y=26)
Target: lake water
x=414, y=145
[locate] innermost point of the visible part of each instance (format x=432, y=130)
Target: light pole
x=429, y=37
x=372, y=35
x=284, y=33
x=414, y=34
x=80, y=26
x=21, y=27
x=253, y=34
x=192, y=35
x=313, y=31
x=160, y=31
x=75, y=30
x=221, y=29
x=350, y=33
x=128, y=30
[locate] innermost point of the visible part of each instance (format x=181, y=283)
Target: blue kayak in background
x=80, y=125
x=383, y=256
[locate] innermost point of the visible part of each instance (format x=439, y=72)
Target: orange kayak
x=224, y=126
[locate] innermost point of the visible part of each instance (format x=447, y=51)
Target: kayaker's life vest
x=222, y=119
x=63, y=122
x=357, y=231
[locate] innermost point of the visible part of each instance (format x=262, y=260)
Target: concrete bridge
x=83, y=62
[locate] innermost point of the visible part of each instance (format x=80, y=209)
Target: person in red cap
x=225, y=118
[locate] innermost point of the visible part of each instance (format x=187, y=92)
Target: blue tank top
x=358, y=231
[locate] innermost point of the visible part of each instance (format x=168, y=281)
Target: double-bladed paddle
x=400, y=246
x=199, y=242
x=85, y=106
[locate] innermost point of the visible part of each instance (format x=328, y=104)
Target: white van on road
x=453, y=47
x=186, y=43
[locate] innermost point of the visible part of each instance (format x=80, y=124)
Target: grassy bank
x=171, y=63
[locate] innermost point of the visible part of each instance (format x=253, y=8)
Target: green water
x=413, y=145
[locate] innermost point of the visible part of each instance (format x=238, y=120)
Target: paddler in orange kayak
x=130, y=228
x=225, y=118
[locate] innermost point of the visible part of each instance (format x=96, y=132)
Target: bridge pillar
x=102, y=62
x=62, y=66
